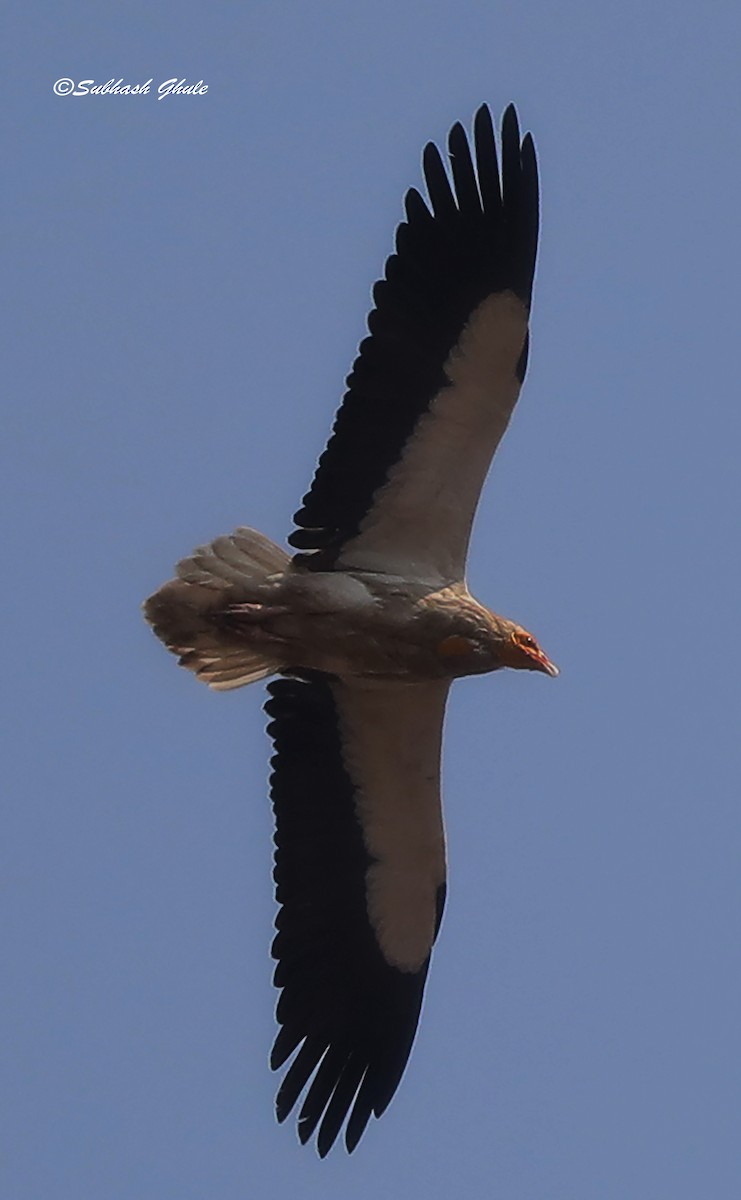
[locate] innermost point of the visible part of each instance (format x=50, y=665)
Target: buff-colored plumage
x=370, y=622
x=232, y=617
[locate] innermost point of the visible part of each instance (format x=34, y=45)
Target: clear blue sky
x=189, y=280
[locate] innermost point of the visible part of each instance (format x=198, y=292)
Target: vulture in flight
x=368, y=623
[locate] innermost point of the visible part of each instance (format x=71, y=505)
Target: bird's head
x=519, y=649
x=486, y=642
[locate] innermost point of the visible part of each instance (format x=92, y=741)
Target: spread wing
x=360, y=874
x=434, y=385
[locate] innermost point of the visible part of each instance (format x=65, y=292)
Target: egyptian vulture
x=368, y=624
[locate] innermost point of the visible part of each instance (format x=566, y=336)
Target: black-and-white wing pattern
x=360, y=874
x=434, y=384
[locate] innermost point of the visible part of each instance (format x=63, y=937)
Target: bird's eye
x=527, y=642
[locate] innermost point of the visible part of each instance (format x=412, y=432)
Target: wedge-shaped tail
x=190, y=614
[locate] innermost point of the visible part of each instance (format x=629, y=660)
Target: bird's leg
x=248, y=620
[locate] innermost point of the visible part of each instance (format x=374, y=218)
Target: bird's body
x=370, y=622
x=355, y=625
x=365, y=627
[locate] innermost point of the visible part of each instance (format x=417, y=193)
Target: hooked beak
x=544, y=664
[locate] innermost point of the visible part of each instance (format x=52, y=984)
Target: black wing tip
x=518, y=148
x=439, y=190
x=323, y=1146
x=483, y=119
x=483, y=124
x=458, y=144
x=336, y=1094
x=510, y=123
x=415, y=207
x=340, y=1087
x=284, y=1045
x=457, y=134
x=282, y=1106
x=432, y=165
